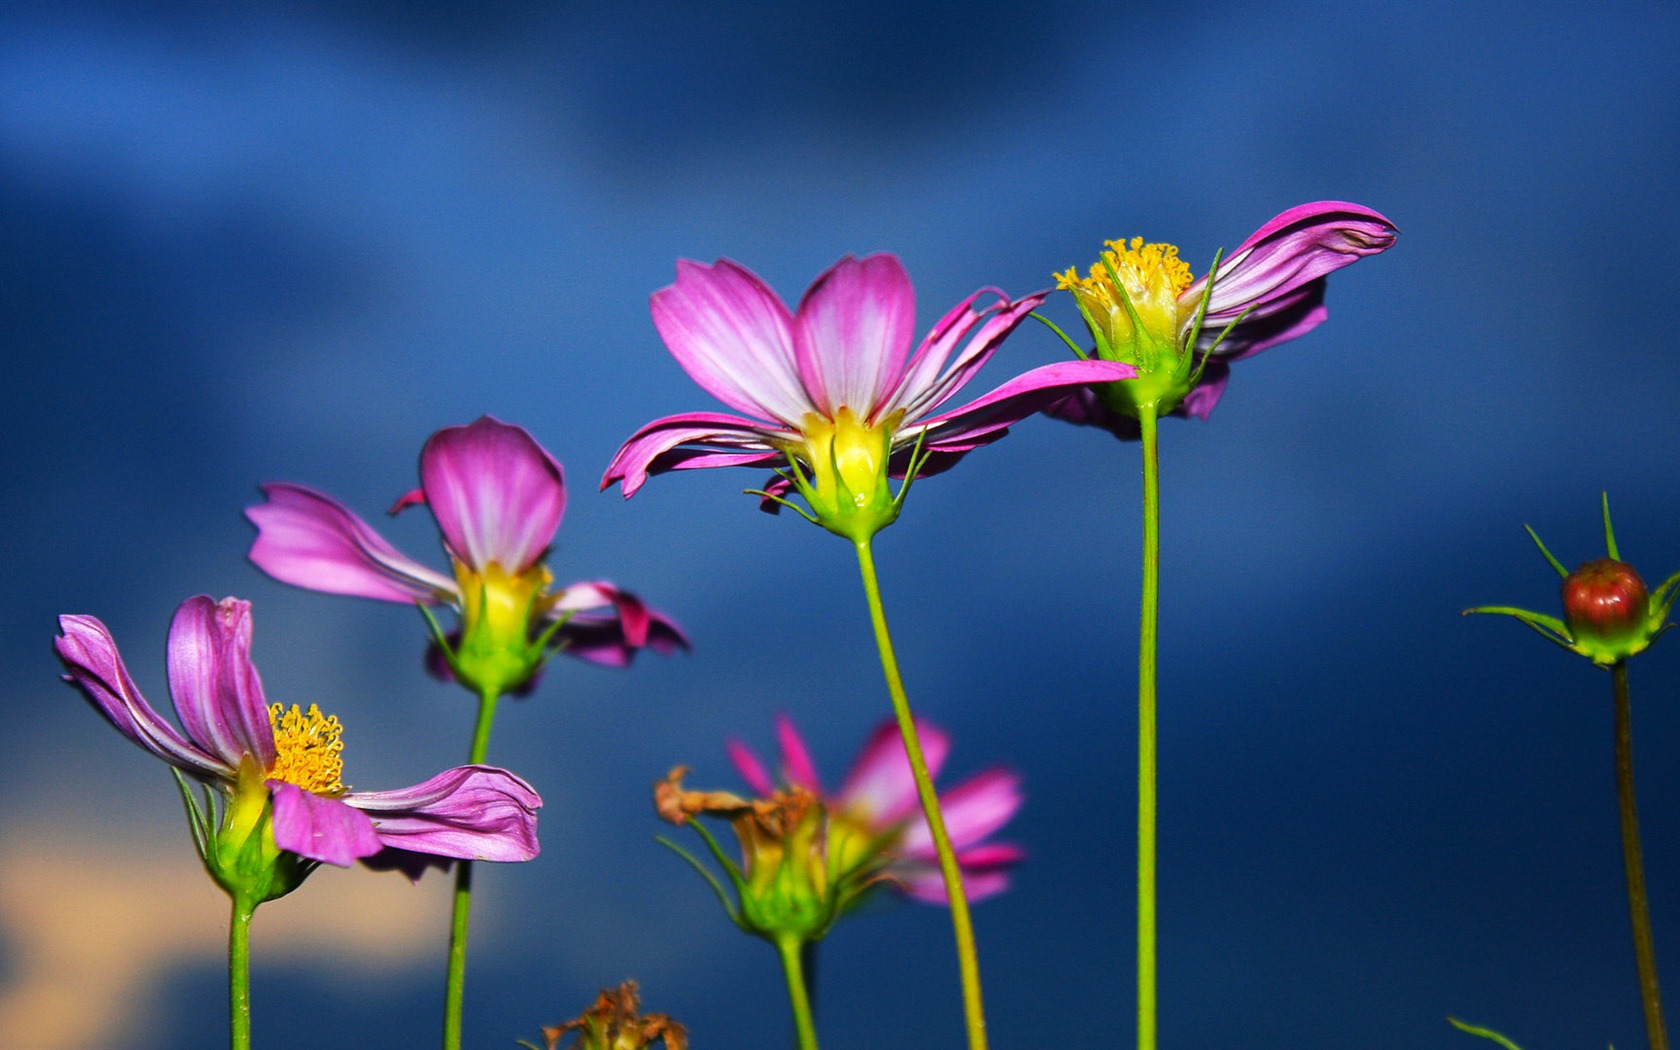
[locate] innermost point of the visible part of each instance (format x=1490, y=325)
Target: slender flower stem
x=239, y=972
x=968, y=959
x=454, y=991
x=789, y=948
x=1148, y=631
x=1644, y=950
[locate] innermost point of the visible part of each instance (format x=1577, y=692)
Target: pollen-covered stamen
x=307, y=749
x=1151, y=276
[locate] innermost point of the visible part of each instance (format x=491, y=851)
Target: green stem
x=968, y=959
x=789, y=948
x=239, y=973
x=1148, y=632
x=454, y=992
x=1644, y=950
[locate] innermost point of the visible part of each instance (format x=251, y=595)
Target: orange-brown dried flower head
x=615, y=1023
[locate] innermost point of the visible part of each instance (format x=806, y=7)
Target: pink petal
x=601, y=639
x=1292, y=250
x=880, y=787
x=985, y=419
x=973, y=811
x=218, y=694
x=96, y=668
x=935, y=349
x=852, y=333
x=469, y=813
x=728, y=441
x=797, y=767
x=734, y=337
x=309, y=540
x=320, y=828
x=750, y=768
x=925, y=883
x=498, y=496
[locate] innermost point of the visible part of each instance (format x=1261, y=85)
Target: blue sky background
x=287, y=241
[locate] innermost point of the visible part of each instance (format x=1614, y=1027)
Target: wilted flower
x=832, y=390
x=279, y=770
x=616, y=1023
x=878, y=801
x=1608, y=615
x=1142, y=307
x=498, y=497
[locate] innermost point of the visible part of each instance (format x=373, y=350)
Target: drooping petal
x=880, y=787
x=986, y=418
x=972, y=811
x=469, y=813
x=218, y=694
x=1292, y=250
x=320, y=828
x=498, y=496
x=728, y=441
x=733, y=336
x=797, y=767
x=852, y=334
x=751, y=769
x=307, y=539
x=96, y=668
x=612, y=638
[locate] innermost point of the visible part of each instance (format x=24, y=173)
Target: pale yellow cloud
x=93, y=927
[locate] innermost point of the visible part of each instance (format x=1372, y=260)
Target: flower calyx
x=1608, y=613
x=1130, y=304
x=234, y=835
x=802, y=867
x=506, y=633
x=843, y=469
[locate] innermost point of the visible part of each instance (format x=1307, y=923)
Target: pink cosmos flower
x=498, y=497
x=879, y=795
x=1269, y=291
x=238, y=743
x=833, y=385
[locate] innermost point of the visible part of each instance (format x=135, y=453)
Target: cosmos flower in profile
x=280, y=770
x=1141, y=306
x=498, y=498
x=831, y=391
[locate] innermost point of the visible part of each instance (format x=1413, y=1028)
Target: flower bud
x=1607, y=608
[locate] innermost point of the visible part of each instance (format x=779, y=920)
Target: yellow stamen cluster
x=1152, y=276
x=308, y=751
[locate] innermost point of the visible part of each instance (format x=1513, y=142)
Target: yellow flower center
x=307, y=749
x=1151, y=276
x=848, y=459
x=502, y=606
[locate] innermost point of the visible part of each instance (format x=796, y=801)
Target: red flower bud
x=1606, y=607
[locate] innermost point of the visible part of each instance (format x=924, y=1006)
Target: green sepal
x=237, y=848
x=1071, y=345
x=1549, y=627
x=1485, y=1033
x=705, y=873
x=1562, y=572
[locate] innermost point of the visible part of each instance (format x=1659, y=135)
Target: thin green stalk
x=454, y=991
x=1148, y=631
x=789, y=948
x=968, y=959
x=1644, y=950
x=239, y=972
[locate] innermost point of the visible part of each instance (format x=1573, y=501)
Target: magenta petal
x=309, y=540
x=973, y=811
x=498, y=496
x=469, y=813
x=926, y=884
x=320, y=828
x=96, y=668
x=1199, y=402
x=612, y=638
x=984, y=419
x=750, y=768
x=921, y=393
x=218, y=694
x=797, y=767
x=653, y=449
x=733, y=336
x=1293, y=249
x=880, y=786
x=852, y=333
